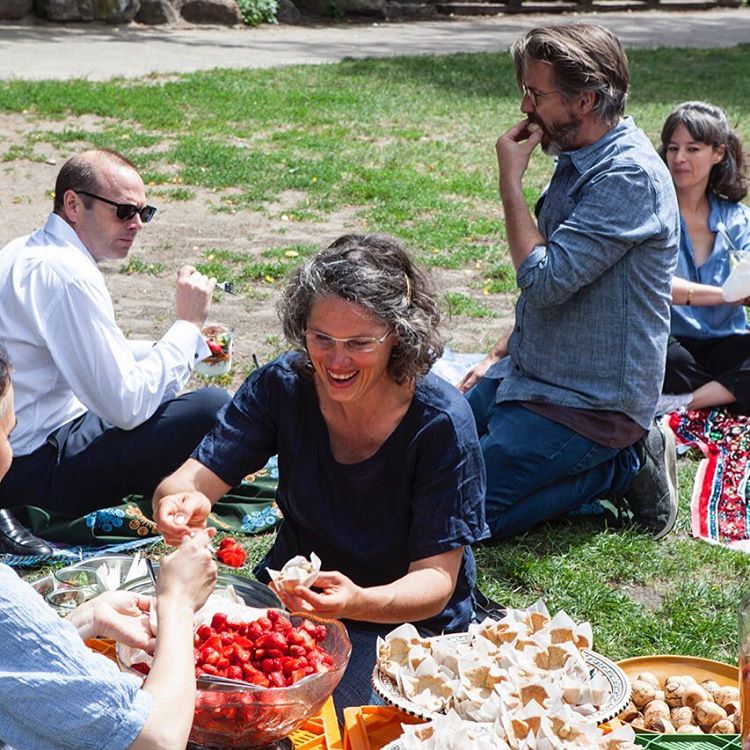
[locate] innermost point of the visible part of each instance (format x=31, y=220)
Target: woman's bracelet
x=689, y=294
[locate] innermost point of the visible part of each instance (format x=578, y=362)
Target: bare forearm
x=416, y=596
x=520, y=229
x=192, y=476
x=171, y=681
x=180, y=481
x=686, y=292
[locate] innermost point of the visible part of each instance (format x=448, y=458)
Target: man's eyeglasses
x=125, y=211
x=535, y=95
x=355, y=344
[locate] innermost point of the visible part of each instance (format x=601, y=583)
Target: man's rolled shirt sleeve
x=93, y=356
x=604, y=225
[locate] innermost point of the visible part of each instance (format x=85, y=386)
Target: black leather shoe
x=15, y=539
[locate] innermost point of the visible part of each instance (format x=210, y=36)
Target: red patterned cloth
x=720, y=506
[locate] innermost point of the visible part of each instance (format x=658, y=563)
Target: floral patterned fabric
x=720, y=505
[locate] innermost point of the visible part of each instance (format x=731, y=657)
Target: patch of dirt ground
x=184, y=230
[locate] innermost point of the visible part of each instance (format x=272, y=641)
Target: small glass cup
x=217, y=364
x=77, y=578
x=64, y=601
x=84, y=580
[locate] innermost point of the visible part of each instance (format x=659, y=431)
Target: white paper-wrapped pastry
x=432, y=692
x=499, y=670
x=478, y=680
x=483, y=712
x=299, y=571
x=449, y=732
x=228, y=601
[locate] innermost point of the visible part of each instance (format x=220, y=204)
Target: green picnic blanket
x=248, y=509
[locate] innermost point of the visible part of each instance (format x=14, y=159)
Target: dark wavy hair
x=584, y=57
x=81, y=172
x=376, y=273
x=5, y=370
x=708, y=124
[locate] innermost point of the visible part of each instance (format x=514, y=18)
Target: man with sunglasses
x=568, y=416
x=98, y=416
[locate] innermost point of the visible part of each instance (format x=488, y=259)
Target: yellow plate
x=669, y=666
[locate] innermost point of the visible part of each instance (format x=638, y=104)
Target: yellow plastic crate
x=319, y=732
x=373, y=727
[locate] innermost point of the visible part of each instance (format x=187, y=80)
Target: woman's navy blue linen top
x=420, y=494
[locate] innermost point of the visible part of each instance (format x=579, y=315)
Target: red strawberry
x=235, y=673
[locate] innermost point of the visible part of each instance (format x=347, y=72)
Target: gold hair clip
x=408, y=289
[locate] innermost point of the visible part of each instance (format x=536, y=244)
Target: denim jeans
x=538, y=469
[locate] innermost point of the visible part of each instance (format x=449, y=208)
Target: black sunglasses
x=125, y=211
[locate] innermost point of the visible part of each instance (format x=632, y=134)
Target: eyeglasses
x=125, y=211
x=535, y=95
x=355, y=344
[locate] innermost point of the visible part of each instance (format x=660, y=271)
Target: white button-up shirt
x=58, y=324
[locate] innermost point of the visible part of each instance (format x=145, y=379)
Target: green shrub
x=256, y=12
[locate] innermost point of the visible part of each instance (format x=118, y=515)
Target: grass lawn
x=407, y=145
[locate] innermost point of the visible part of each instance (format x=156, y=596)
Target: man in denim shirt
x=571, y=419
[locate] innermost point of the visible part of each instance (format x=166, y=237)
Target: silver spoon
x=212, y=679
x=151, y=571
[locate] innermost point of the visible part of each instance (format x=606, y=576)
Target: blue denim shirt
x=592, y=320
x=54, y=692
x=731, y=223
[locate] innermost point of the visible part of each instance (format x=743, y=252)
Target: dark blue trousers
x=538, y=469
x=89, y=464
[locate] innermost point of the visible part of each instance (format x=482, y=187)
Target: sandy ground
x=181, y=233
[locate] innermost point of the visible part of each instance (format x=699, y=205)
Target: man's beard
x=560, y=137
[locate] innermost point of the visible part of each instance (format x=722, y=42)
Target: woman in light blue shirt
x=56, y=694
x=708, y=356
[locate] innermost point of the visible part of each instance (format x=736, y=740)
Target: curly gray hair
x=376, y=273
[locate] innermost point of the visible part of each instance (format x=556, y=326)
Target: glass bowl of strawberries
x=286, y=664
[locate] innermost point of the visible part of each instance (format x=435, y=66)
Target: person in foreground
x=97, y=413
x=380, y=470
x=568, y=416
x=85, y=701
x=708, y=357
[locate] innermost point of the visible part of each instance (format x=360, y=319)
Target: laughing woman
x=380, y=471
x=708, y=356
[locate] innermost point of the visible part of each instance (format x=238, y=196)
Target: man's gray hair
x=584, y=57
x=375, y=273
